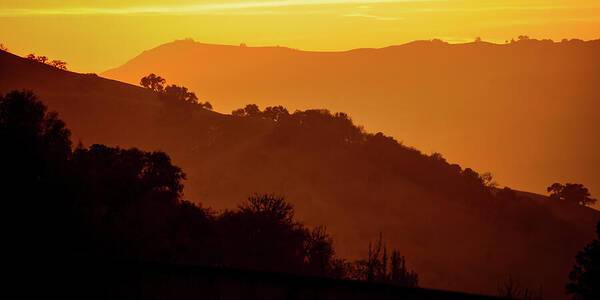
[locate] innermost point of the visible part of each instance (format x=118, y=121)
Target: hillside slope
x=527, y=111
x=453, y=232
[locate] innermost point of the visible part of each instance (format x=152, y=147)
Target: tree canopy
x=571, y=192
x=172, y=93
x=57, y=63
x=153, y=82
x=584, y=279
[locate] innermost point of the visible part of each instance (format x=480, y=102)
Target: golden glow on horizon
x=115, y=31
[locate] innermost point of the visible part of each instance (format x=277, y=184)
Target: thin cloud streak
x=266, y=7
x=197, y=8
x=374, y=17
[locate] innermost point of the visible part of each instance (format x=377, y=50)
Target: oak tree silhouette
x=153, y=82
x=172, y=94
x=571, y=192
x=585, y=277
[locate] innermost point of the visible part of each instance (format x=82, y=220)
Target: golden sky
x=93, y=36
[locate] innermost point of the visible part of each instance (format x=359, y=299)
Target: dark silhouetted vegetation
x=572, y=193
x=378, y=267
x=335, y=130
x=585, y=277
x=108, y=203
x=180, y=93
x=513, y=289
x=172, y=93
x=273, y=113
x=153, y=82
x=59, y=64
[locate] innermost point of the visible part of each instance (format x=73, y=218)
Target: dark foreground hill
x=160, y=281
x=527, y=111
x=452, y=229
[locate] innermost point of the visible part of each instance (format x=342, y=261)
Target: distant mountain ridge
x=357, y=184
x=525, y=111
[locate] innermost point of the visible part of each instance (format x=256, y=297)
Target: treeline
x=302, y=128
x=337, y=131
x=433, y=170
x=57, y=63
x=99, y=203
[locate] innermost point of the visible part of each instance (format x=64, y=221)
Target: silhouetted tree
x=319, y=252
x=271, y=206
x=513, y=289
x=180, y=94
x=585, y=277
x=275, y=113
x=488, y=180
x=523, y=37
x=571, y=192
x=103, y=200
x=206, y=105
x=438, y=157
x=34, y=158
x=376, y=266
x=35, y=142
x=399, y=273
x=153, y=82
x=132, y=199
x=172, y=93
x=59, y=64
x=251, y=110
x=264, y=227
x=39, y=58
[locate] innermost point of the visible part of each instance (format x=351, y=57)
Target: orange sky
x=93, y=36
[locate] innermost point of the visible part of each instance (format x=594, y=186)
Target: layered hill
x=451, y=228
x=525, y=111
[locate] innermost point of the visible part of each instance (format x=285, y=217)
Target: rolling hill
x=450, y=228
x=525, y=111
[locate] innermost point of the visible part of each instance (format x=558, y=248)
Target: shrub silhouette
x=378, y=268
x=512, y=288
x=585, y=276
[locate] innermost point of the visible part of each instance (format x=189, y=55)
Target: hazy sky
x=95, y=35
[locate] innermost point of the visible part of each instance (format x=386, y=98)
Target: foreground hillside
x=451, y=228
x=526, y=111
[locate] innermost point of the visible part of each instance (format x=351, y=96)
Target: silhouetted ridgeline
x=514, y=109
x=456, y=231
